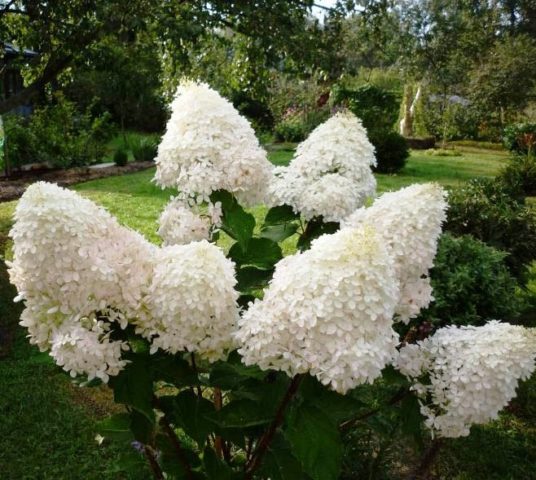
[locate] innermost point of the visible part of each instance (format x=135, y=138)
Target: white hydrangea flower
x=72, y=261
x=182, y=223
x=209, y=146
x=82, y=351
x=473, y=373
x=330, y=175
x=409, y=221
x=192, y=301
x=327, y=311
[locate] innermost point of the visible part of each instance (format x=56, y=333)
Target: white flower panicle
x=473, y=373
x=327, y=311
x=182, y=223
x=72, y=263
x=330, y=175
x=192, y=301
x=409, y=222
x=209, y=146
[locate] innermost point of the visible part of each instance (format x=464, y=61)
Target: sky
x=319, y=12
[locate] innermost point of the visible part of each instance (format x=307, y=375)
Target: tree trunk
x=410, y=105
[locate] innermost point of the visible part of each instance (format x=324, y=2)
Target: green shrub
x=442, y=152
x=377, y=108
x=144, y=149
x=493, y=213
x=120, y=157
x=57, y=135
x=471, y=283
x=520, y=175
x=297, y=124
x=391, y=151
x=520, y=138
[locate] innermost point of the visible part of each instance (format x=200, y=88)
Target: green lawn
x=47, y=426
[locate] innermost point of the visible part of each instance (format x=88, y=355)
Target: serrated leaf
x=262, y=253
x=141, y=427
x=236, y=222
x=190, y=412
x=241, y=414
x=134, y=387
x=280, y=214
x=315, y=442
x=251, y=278
x=214, y=467
x=228, y=375
x=116, y=427
x=410, y=413
x=279, y=463
x=315, y=228
x=392, y=376
x=278, y=233
x=173, y=369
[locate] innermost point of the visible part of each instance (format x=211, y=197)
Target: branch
x=174, y=440
x=151, y=458
x=177, y=447
x=50, y=72
x=268, y=436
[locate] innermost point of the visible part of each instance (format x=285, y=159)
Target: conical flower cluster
x=327, y=311
x=74, y=265
x=209, y=146
x=409, y=222
x=330, y=175
x=466, y=375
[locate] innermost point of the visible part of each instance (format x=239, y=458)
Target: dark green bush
x=297, y=124
x=120, y=157
x=520, y=175
x=377, y=108
x=392, y=151
x=520, y=138
x=471, y=283
x=57, y=135
x=494, y=214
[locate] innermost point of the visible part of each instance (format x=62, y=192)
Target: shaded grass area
x=47, y=428
x=47, y=425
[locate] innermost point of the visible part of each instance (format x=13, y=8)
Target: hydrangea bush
x=242, y=364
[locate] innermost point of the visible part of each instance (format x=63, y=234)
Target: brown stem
x=151, y=458
x=194, y=366
x=400, y=395
x=218, y=444
x=166, y=426
x=427, y=460
x=268, y=436
x=177, y=447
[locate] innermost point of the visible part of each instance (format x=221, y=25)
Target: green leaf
x=215, y=468
x=251, y=278
x=141, y=427
x=338, y=407
x=228, y=375
x=315, y=442
x=315, y=228
x=116, y=427
x=191, y=413
x=280, y=214
x=410, y=414
x=241, y=414
x=173, y=369
x=134, y=387
x=279, y=463
x=278, y=233
x=236, y=222
x=172, y=464
x=392, y=376
x=262, y=253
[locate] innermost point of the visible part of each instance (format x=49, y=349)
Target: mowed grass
x=46, y=432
